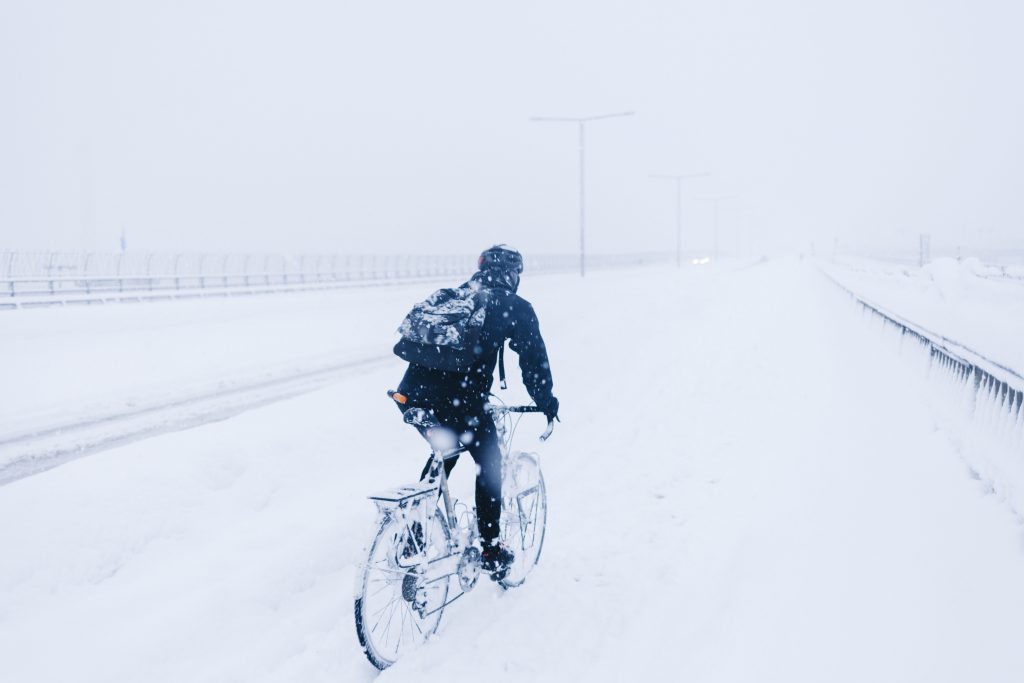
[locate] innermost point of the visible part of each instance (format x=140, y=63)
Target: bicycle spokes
x=398, y=603
x=523, y=516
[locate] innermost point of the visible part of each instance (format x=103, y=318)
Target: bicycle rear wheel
x=395, y=609
x=524, y=515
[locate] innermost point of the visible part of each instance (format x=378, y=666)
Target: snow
x=966, y=301
x=81, y=361
x=752, y=481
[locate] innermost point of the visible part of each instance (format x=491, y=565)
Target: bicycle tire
x=523, y=517
x=386, y=546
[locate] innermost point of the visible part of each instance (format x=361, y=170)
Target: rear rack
x=402, y=494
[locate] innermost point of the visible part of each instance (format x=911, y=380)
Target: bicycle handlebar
x=525, y=409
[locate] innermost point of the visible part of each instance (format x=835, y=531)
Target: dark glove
x=551, y=409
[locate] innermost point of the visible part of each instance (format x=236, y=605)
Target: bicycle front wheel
x=396, y=607
x=524, y=515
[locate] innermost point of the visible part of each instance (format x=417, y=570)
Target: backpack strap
x=501, y=366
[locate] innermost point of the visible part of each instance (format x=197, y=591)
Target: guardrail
x=987, y=392
x=61, y=278
x=988, y=377
x=984, y=396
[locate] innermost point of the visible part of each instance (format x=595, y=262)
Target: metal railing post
x=49, y=271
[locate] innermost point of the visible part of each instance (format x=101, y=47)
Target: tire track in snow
x=32, y=452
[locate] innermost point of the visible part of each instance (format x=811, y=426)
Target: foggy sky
x=404, y=126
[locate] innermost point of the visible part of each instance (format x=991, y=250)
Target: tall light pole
x=716, y=201
x=679, y=208
x=581, y=121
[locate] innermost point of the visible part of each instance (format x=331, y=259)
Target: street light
x=679, y=207
x=581, y=121
x=715, y=202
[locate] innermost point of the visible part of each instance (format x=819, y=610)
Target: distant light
x=703, y=260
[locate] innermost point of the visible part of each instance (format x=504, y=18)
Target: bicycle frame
x=437, y=472
x=401, y=502
x=425, y=537
x=405, y=503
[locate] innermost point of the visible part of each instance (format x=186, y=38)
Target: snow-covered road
x=750, y=483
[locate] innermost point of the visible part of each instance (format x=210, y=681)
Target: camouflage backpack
x=443, y=331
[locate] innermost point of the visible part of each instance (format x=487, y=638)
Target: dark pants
x=475, y=429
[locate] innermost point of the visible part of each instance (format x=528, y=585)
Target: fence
x=986, y=376
x=981, y=398
x=59, y=278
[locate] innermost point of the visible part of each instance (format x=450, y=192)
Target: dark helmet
x=500, y=266
x=501, y=257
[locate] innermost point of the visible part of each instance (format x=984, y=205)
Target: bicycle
x=426, y=540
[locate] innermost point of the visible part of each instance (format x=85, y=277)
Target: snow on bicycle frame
x=420, y=546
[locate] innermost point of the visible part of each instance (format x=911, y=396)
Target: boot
x=496, y=559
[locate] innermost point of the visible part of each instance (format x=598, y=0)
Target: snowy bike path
x=747, y=485
x=765, y=497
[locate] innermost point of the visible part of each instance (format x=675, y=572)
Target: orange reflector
x=401, y=398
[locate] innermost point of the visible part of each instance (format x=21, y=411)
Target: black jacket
x=511, y=317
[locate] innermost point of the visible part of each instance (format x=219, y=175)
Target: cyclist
x=457, y=398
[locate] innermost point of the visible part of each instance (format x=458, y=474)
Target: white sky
x=404, y=126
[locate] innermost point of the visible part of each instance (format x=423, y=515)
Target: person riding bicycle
x=452, y=342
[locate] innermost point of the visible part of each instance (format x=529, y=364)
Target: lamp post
x=715, y=201
x=679, y=208
x=581, y=121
